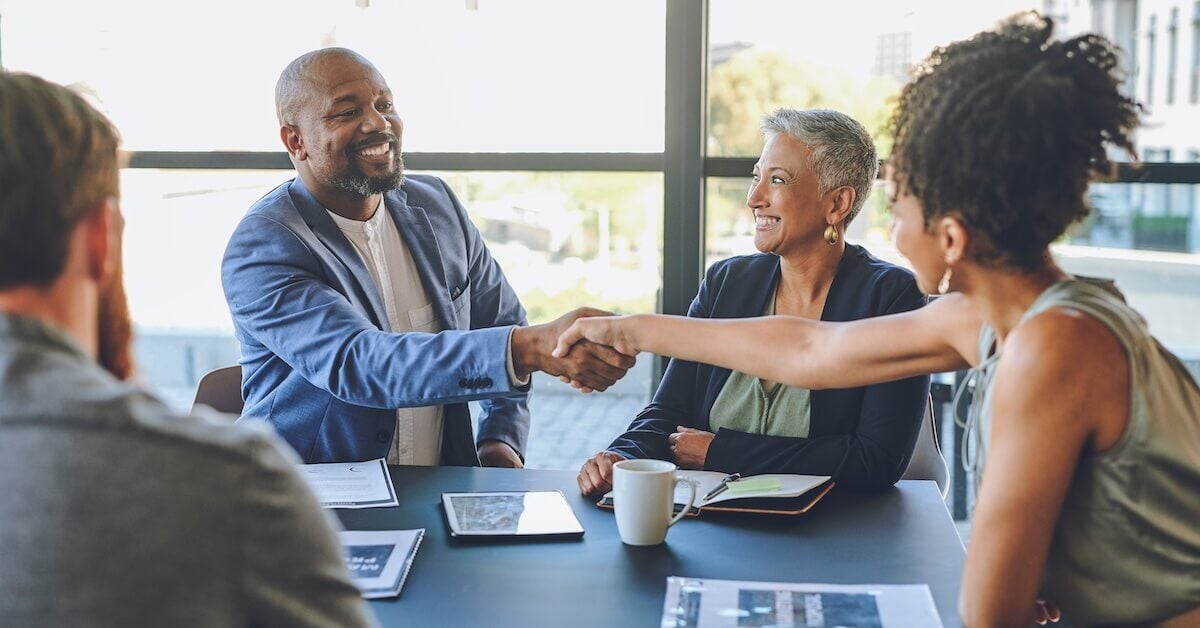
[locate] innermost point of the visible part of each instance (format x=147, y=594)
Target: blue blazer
x=319, y=360
x=863, y=437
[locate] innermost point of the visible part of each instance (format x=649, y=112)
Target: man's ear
x=954, y=238
x=290, y=136
x=97, y=225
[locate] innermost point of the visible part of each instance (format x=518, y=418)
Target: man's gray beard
x=359, y=183
x=366, y=186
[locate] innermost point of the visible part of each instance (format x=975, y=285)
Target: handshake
x=564, y=348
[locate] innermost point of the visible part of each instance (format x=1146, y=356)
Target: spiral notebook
x=379, y=560
x=774, y=494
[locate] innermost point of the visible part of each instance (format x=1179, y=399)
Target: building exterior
x=1160, y=44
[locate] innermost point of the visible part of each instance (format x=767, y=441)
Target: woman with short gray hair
x=814, y=176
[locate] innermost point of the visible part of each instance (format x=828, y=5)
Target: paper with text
x=351, y=484
x=697, y=603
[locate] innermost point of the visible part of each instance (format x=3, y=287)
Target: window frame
x=684, y=164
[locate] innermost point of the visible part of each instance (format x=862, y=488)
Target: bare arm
x=1046, y=412
x=799, y=351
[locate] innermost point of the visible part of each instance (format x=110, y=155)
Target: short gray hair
x=841, y=151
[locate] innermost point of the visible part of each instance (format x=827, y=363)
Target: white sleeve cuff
x=508, y=361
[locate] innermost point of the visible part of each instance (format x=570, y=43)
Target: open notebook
x=775, y=493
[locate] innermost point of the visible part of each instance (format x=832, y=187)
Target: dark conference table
x=903, y=535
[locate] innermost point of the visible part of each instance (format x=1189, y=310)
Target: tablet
x=511, y=514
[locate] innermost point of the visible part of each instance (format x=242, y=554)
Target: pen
x=722, y=486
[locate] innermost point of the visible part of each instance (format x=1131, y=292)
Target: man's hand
x=601, y=329
x=495, y=453
x=590, y=366
x=596, y=474
x=690, y=447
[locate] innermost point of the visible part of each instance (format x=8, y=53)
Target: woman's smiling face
x=784, y=196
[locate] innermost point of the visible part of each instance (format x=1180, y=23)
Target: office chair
x=222, y=390
x=927, y=462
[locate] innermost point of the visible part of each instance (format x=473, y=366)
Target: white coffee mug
x=644, y=497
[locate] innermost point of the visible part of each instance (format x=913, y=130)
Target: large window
x=603, y=149
x=535, y=75
x=564, y=239
x=499, y=78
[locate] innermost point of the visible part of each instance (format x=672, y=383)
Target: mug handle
x=691, y=505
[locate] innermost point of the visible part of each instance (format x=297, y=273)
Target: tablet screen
x=523, y=513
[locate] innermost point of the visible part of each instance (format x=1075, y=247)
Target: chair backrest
x=927, y=462
x=222, y=390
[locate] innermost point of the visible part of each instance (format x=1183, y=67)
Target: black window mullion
x=683, y=159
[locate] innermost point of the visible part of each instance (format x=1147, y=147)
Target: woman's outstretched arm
x=799, y=351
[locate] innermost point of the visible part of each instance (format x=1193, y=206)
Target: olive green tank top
x=746, y=405
x=1126, y=548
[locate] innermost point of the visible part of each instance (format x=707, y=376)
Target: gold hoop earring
x=831, y=235
x=944, y=285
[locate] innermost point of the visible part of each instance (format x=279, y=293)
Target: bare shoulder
x=1071, y=371
x=1064, y=338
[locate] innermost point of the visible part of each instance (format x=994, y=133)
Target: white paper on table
x=379, y=560
x=351, y=484
x=702, y=603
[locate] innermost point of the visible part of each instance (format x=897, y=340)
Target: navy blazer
x=319, y=360
x=863, y=437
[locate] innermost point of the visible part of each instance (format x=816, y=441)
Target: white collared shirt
x=418, y=439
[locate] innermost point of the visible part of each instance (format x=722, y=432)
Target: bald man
x=368, y=307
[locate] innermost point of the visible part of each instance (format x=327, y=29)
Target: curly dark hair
x=1006, y=129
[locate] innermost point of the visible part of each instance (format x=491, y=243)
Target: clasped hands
x=688, y=446
x=597, y=330
x=587, y=365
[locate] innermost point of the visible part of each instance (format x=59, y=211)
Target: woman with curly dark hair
x=1091, y=429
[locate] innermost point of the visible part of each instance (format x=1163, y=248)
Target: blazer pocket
x=462, y=306
x=462, y=298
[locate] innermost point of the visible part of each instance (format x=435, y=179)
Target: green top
x=746, y=406
x=1126, y=548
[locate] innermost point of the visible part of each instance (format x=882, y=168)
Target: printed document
x=701, y=603
x=351, y=484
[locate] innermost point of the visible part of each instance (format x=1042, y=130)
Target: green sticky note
x=755, y=485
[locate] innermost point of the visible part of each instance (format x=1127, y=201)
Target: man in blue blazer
x=368, y=308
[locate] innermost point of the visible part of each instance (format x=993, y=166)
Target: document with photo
x=379, y=560
x=351, y=484
x=700, y=603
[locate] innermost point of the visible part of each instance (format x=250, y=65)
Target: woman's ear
x=953, y=236
x=843, y=201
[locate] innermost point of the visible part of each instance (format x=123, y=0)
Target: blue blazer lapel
x=744, y=293
x=844, y=300
x=317, y=219
x=418, y=235
x=749, y=291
